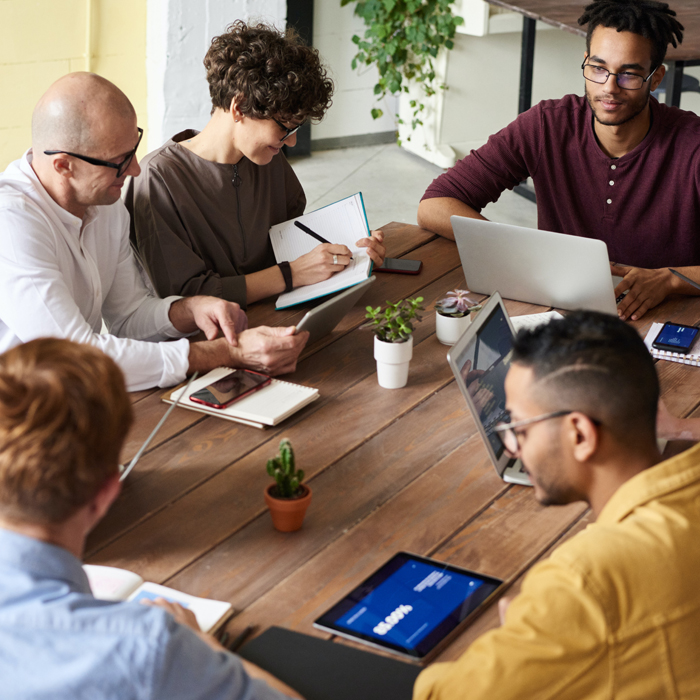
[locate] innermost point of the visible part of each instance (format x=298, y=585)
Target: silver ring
x=335, y=259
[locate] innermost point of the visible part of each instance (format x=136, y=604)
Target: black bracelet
x=286, y=270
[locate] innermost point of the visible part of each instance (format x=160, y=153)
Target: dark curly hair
x=269, y=74
x=652, y=20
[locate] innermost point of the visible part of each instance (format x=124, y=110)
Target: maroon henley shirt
x=644, y=205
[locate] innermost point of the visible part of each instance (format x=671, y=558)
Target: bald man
x=65, y=260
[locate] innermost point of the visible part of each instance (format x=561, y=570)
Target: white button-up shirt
x=61, y=275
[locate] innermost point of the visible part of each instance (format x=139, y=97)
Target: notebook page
x=343, y=223
x=208, y=612
x=111, y=583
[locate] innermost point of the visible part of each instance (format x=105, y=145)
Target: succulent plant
x=456, y=303
x=282, y=469
x=395, y=323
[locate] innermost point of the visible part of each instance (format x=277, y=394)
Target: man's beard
x=616, y=123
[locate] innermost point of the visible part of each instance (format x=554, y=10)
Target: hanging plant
x=402, y=39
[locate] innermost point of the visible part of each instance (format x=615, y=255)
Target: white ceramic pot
x=449, y=328
x=393, y=360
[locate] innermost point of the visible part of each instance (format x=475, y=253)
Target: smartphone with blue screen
x=676, y=337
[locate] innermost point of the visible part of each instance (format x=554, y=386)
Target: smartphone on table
x=400, y=265
x=676, y=337
x=237, y=385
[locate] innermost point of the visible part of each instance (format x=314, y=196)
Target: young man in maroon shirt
x=615, y=165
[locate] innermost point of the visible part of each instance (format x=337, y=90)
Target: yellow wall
x=41, y=40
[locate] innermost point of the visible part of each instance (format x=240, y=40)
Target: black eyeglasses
x=288, y=132
x=509, y=438
x=627, y=81
x=121, y=167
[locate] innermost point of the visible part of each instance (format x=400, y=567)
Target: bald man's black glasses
x=121, y=167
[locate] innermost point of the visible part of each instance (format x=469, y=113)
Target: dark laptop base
x=323, y=670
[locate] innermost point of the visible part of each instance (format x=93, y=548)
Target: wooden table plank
x=390, y=470
x=256, y=558
x=346, y=423
x=176, y=466
x=446, y=500
x=438, y=258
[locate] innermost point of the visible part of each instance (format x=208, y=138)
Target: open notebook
x=111, y=583
x=268, y=406
x=345, y=223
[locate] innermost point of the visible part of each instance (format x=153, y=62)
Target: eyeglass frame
x=644, y=80
x=121, y=167
x=288, y=132
x=501, y=428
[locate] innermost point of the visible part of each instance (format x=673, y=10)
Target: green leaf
x=377, y=113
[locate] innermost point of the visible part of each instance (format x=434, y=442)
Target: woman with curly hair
x=204, y=202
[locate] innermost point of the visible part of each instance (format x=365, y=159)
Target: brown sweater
x=198, y=228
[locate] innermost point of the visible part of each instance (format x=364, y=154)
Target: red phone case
x=236, y=398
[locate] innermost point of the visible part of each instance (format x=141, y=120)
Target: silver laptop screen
x=483, y=365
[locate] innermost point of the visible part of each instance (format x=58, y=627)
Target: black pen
x=306, y=229
x=313, y=234
x=684, y=278
x=238, y=641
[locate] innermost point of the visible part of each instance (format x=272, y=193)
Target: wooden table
x=390, y=470
x=564, y=14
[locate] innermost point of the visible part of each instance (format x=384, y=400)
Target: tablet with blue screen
x=410, y=606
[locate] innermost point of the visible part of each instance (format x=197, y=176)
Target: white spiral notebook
x=690, y=358
x=268, y=406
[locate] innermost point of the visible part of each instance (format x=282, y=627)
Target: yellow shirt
x=614, y=613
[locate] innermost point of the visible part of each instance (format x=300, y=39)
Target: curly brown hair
x=64, y=414
x=269, y=74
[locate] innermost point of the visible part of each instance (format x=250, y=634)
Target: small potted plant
x=453, y=315
x=287, y=498
x=393, y=339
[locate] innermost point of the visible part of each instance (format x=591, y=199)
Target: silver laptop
x=480, y=360
x=539, y=267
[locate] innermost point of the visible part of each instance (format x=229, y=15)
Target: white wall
x=483, y=76
x=353, y=99
x=178, y=35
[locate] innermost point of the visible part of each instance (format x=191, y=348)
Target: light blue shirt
x=58, y=642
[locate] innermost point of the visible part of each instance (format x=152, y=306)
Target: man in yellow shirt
x=615, y=611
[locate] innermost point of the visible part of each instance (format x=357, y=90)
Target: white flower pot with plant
x=453, y=315
x=393, y=340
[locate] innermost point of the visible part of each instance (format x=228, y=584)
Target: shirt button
x=613, y=167
x=610, y=201
x=612, y=182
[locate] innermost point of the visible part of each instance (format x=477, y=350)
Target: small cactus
x=281, y=469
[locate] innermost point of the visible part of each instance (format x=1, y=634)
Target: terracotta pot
x=288, y=513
